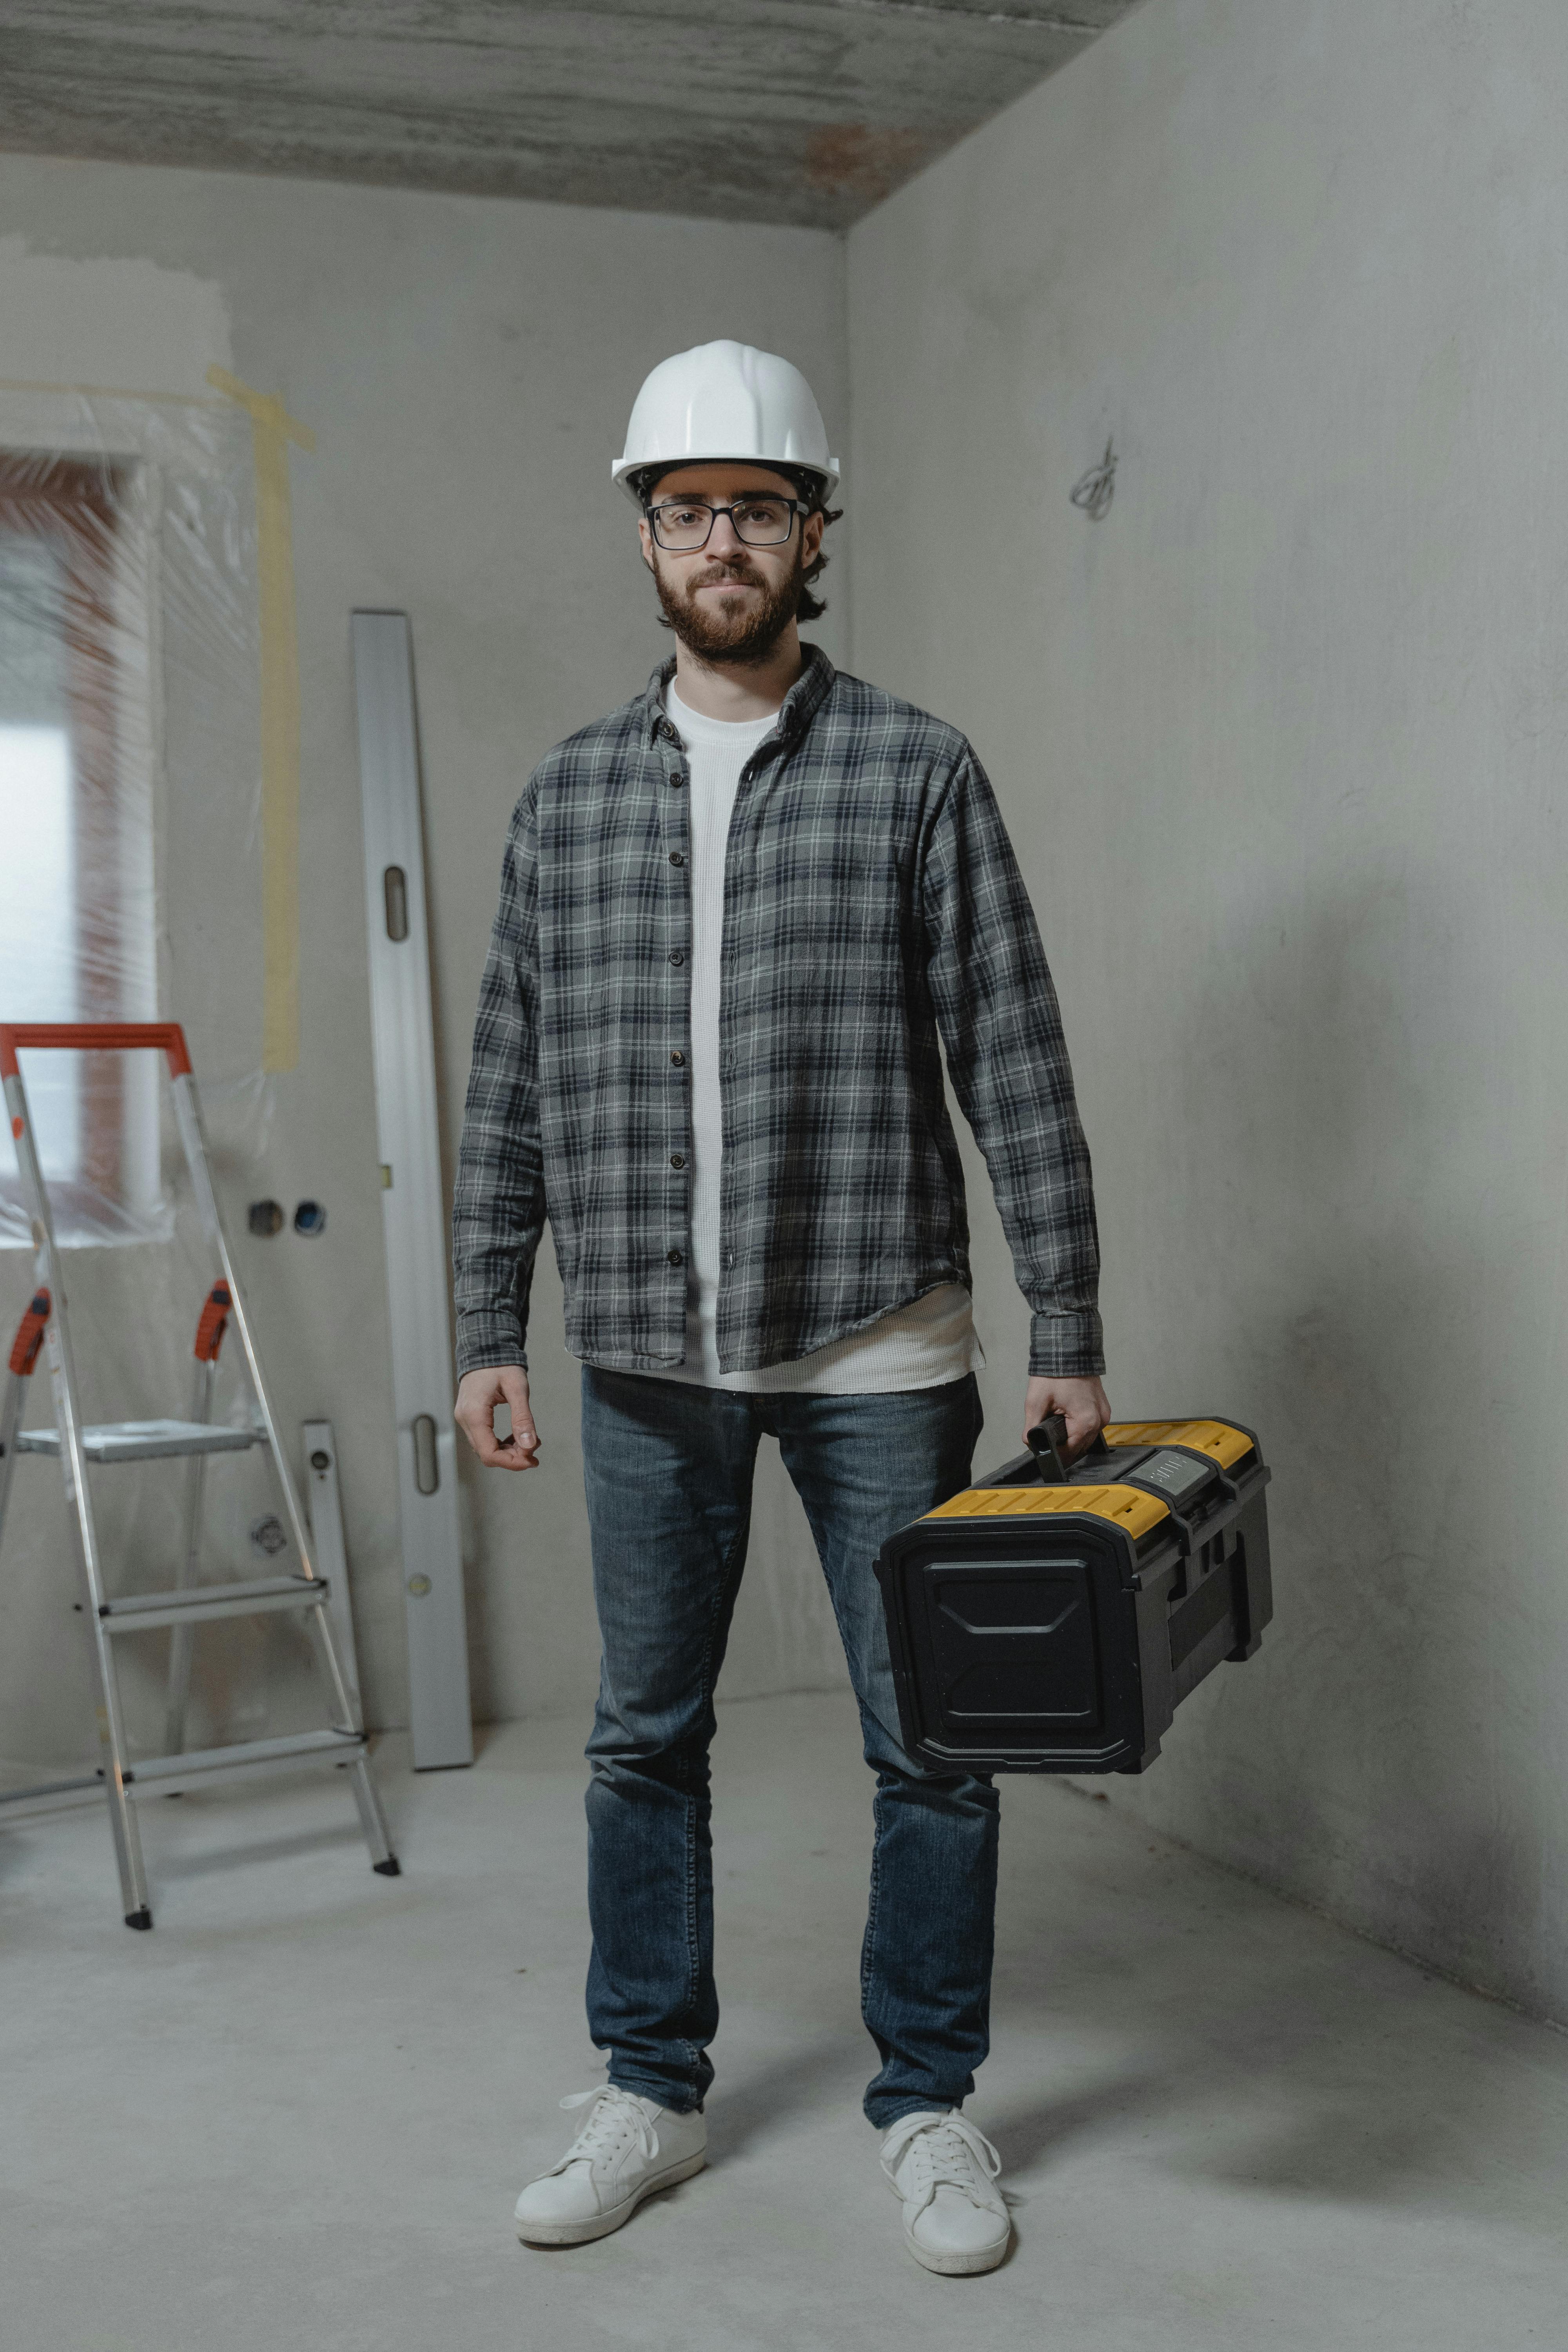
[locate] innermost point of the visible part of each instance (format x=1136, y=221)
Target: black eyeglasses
x=682, y=525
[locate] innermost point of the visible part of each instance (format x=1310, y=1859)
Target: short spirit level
x=1051, y=1619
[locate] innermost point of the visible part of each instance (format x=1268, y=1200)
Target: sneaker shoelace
x=944, y=2152
x=613, y=2116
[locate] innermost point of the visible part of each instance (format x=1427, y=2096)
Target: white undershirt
x=916, y=1346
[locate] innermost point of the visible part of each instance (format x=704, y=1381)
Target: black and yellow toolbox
x=1053, y=1617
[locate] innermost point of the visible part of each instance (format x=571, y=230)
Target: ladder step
x=145, y=1440
x=139, y=1612
x=40, y=1788
x=246, y=1756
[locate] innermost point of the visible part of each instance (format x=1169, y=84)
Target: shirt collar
x=799, y=706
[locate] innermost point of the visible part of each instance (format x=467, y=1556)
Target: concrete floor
x=296, y=2115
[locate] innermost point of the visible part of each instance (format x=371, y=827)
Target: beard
x=721, y=635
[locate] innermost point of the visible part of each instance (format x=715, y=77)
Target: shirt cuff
x=489, y=1338
x=1067, y=1347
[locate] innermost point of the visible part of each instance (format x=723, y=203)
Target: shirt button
x=678, y=1158
x=674, y=1258
x=680, y=1060
x=675, y=858
x=678, y=777
x=675, y=956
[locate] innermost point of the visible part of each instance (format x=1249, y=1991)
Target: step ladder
x=187, y=1603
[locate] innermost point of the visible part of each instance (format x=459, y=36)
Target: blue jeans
x=669, y=1473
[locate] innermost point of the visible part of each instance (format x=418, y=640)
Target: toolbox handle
x=1046, y=1442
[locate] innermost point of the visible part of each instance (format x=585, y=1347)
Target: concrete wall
x=1278, y=738
x=1281, y=740
x=466, y=368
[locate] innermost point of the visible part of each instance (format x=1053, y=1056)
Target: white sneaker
x=625, y=2149
x=955, y=2218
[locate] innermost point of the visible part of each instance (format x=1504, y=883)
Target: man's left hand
x=1082, y=1404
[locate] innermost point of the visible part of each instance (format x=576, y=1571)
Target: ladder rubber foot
x=142, y=1919
x=390, y=1868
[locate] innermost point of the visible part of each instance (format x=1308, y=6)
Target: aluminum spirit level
x=414, y=1209
x=1052, y=1618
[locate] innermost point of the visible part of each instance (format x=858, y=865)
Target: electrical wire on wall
x=1093, y=491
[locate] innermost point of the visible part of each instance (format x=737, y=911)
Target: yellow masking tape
x=272, y=429
x=111, y=392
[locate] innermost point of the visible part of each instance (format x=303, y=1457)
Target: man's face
x=729, y=602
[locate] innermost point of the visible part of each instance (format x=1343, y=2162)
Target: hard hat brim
x=628, y=471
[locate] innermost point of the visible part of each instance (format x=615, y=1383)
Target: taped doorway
x=131, y=795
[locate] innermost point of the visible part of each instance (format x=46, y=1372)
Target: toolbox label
x=1177, y=1473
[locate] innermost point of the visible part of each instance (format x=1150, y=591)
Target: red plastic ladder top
x=214, y=1323
x=93, y=1036
x=29, y=1336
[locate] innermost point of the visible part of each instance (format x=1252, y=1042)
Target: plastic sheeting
x=129, y=787
x=131, y=888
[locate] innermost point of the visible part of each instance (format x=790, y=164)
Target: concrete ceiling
x=807, y=110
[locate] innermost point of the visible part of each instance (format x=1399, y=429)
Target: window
x=77, y=936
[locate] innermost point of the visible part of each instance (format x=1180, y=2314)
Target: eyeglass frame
x=803, y=508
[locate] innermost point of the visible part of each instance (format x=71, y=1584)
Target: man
x=736, y=917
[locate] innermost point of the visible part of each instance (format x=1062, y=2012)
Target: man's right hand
x=479, y=1394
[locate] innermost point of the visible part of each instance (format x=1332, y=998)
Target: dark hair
x=810, y=608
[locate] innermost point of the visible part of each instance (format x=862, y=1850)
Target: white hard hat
x=726, y=401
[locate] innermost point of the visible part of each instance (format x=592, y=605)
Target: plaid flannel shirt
x=871, y=900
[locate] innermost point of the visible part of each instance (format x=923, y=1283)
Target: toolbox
x=1052, y=1617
